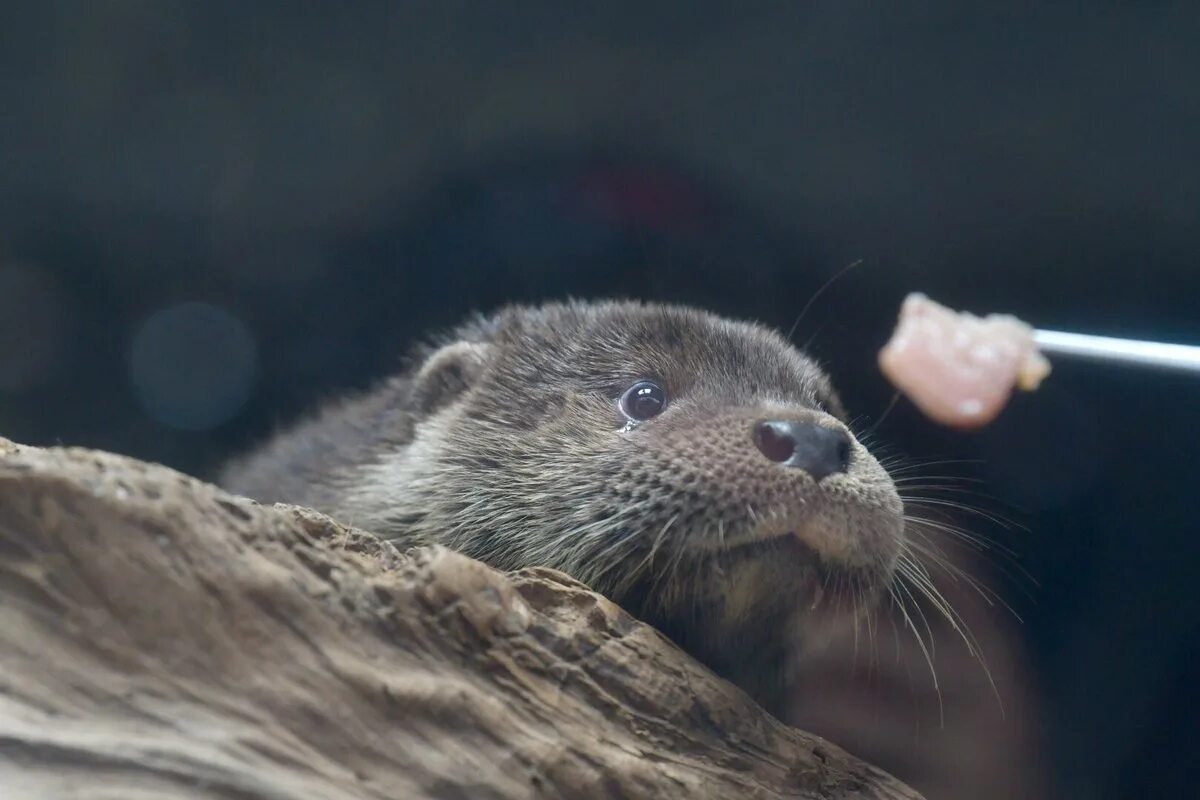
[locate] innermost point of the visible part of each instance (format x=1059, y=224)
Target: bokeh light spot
x=193, y=365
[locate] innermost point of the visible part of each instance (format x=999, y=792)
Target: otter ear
x=448, y=373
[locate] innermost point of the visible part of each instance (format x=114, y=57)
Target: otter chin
x=696, y=470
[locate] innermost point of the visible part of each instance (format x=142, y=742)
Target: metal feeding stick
x=1124, y=351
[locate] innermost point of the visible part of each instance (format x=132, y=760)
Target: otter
x=698, y=471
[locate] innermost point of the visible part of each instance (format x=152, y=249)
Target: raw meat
x=960, y=369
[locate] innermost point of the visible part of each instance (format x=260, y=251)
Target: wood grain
x=159, y=638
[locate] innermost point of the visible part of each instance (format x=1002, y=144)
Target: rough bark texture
x=159, y=638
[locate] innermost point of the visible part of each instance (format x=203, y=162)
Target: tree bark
x=159, y=638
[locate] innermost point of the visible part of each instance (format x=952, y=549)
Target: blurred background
x=212, y=215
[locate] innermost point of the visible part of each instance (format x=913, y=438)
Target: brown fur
x=507, y=443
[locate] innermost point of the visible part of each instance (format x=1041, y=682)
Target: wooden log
x=159, y=638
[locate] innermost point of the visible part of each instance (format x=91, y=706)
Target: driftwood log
x=159, y=638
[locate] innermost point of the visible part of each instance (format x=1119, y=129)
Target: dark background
x=214, y=214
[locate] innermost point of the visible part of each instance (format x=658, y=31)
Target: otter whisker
x=913, y=465
x=908, y=569
x=599, y=532
x=938, y=502
x=611, y=559
x=908, y=620
x=896, y=603
x=951, y=487
x=952, y=480
x=1003, y=558
x=920, y=579
x=665, y=587
x=821, y=290
x=658, y=540
x=647, y=562
x=967, y=538
x=929, y=551
x=935, y=494
x=887, y=410
x=872, y=625
x=843, y=592
x=918, y=576
x=893, y=603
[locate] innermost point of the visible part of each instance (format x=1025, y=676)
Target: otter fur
x=701, y=508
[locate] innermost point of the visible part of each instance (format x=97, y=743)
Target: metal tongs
x=1125, y=351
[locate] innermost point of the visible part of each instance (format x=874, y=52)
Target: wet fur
x=505, y=442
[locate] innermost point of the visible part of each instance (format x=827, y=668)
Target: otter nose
x=817, y=450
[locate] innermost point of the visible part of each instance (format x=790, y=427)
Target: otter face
x=696, y=470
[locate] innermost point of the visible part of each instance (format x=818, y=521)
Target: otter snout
x=818, y=450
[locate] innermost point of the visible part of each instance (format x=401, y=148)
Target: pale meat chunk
x=960, y=369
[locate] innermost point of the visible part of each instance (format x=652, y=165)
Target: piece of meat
x=960, y=369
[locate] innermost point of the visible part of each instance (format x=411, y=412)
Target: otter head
x=696, y=470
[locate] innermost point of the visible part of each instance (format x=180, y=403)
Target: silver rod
x=1131, y=351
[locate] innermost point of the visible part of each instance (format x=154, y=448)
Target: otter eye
x=643, y=400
